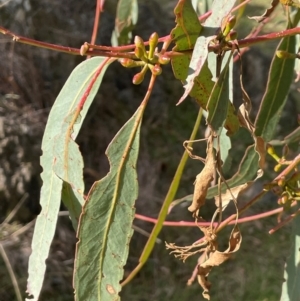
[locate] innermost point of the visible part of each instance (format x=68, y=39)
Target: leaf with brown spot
x=216, y=258
x=203, y=179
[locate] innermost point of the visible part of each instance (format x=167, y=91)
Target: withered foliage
x=203, y=179
x=213, y=257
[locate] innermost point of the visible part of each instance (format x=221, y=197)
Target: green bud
x=139, y=43
x=125, y=62
x=129, y=63
x=138, y=78
x=153, y=40
x=228, y=25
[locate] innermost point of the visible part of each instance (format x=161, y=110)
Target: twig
x=284, y=222
x=15, y=210
x=96, y=23
x=11, y=273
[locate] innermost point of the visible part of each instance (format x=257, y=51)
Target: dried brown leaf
x=216, y=258
x=245, y=121
x=231, y=194
x=203, y=179
x=267, y=13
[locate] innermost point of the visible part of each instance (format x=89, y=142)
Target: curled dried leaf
x=203, y=179
x=216, y=258
x=245, y=121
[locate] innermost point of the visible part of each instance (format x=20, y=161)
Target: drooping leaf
x=220, y=9
x=290, y=286
x=280, y=78
x=68, y=167
x=198, y=60
x=106, y=222
x=188, y=27
x=126, y=19
x=51, y=191
x=218, y=103
x=202, y=88
x=245, y=121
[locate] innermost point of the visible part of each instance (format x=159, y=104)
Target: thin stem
x=284, y=222
x=99, y=7
x=206, y=224
x=241, y=211
x=11, y=273
x=113, y=51
x=289, y=168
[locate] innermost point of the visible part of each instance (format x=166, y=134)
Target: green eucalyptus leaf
x=51, y=192
x=105, y=226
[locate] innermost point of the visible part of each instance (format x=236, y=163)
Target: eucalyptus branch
x=121, y=51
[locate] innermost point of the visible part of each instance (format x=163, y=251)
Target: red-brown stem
x=284, y=222
x=289, y=168
x=99, y=9
x=119, y=54
x=241, y=211
x=269, y=36
x=64, y=49
x=40, y=44
x=229, y=221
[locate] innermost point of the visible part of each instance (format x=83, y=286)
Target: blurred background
x=30, y=80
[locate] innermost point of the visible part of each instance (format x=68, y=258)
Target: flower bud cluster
x=150, y=59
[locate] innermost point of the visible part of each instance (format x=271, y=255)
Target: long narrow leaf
x=106, y=222
x=164, y=209
x=218, y=103
x=280, y=78
x=52, y=185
